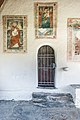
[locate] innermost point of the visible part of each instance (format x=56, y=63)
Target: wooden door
x=46, y=66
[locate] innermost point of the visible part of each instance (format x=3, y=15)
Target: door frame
x=37, y=62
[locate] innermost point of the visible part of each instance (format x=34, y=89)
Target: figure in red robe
x=14, y=35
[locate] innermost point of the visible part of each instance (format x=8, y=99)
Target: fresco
x=15, y=33
x=74, y=39
x=45, y=20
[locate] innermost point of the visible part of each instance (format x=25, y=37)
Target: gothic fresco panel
x=14, y=33
x=74, y=39
x=45, y=20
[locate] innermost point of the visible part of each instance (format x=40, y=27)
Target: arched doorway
x=46, y=66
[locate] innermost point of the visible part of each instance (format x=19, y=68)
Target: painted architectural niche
x=14, y=33
x=74, y=39
x=45, y=20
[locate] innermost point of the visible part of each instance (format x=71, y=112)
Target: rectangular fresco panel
x=14, y=33
x=45, y=20
x=74, y=39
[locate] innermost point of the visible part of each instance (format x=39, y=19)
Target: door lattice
x=46, y=70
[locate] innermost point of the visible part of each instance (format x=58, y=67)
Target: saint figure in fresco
x=14, y=35
x=45, y=17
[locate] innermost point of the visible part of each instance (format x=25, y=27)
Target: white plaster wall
x=18, y=72
x=77, y=101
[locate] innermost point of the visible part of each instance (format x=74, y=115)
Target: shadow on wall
x=1, y=2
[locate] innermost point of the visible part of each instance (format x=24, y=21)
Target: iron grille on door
x=46, y=68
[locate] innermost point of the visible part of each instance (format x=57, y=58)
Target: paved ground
x=43, y=106
x=27, y=110
x=78, y=114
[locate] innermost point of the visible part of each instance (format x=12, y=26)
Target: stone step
x=52, y=99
